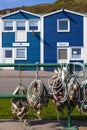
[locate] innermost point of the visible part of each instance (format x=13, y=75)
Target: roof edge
x=63, y=10
x=12, y=13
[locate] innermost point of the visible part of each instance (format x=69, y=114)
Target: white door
x=8, y=57
x=62, y=55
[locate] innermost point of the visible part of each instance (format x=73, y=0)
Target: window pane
x=8, y=53
x=33, y=25
x=8, y=25
x=20, y=25
x=62, y=53
x=20, y=53
x=63, y=25
x=76, y=53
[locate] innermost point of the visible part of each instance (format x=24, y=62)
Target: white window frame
x=25, y=57
x=24, y=25
x=68, y=29
x=77, y=58
x=38, y=22
x=8, y=30
x=62, y=49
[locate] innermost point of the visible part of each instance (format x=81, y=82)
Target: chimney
x=8, y=11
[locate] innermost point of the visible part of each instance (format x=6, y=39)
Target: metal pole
x=31, y=65
x=12, y=96
x=69, y=121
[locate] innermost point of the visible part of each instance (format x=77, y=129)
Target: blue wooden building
x=64, y=34
x=57, y=37
x=20, y=37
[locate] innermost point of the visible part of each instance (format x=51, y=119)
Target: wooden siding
x=33, y=51
x=51, y=36
x=8, y=39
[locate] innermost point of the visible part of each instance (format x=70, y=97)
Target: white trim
x=38, y=24
x=8, y=60
x=62, y=44
x=1, y=49
x=63, y=60
x=18, y=12
x=14, y=25
x=58, y=11
x=85, y=38
x=3, y=25
x=20, y=22
x=21, y=44
x=76, y=47
x=42, y=42
x=64, y=19
x=27, y=25
x=25, y=53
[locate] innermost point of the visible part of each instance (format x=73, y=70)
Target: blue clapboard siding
x=8, y=39
x=51, y=36
x=33, y=51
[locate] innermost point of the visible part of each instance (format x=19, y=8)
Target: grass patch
x=49, y=112
x=5, y=109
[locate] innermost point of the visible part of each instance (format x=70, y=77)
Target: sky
x=7, y=4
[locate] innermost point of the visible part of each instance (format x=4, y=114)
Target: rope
x=58, y=85
x=20, y=106
x=34, y=92
x=84, y=106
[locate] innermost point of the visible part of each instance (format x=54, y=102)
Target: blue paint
x=21, y=15
x=8, y=39
x=33, y=51
x=51, y=36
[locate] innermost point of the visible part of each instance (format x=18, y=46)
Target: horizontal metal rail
x=35, y=64
x=24, y=65
x=32, y=65
x=28, y=65
x=12, y=96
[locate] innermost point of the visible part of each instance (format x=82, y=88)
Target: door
x=62, y=55
x=8, y=57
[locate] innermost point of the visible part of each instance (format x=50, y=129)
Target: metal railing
x=38, y=65
x=26, y=65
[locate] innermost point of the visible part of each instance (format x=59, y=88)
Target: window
x=8, y=53
x=76, y=52
x=8, y=25
x=62, y=53
x=20, y=25
x=21, y=53
x=63, y=25
x=33, y=24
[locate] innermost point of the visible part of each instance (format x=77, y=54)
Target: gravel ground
x=39, y=125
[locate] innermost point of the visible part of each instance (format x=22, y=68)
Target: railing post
x=69, y=126
x=69, y=121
